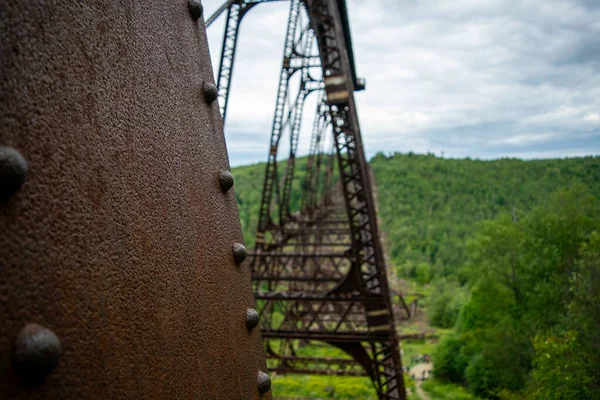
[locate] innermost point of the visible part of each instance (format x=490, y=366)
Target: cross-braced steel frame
x=318, y=271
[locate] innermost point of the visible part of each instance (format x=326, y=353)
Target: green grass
x=326, y=387
x=443, y=391
x=323, y=387
x=428, y=207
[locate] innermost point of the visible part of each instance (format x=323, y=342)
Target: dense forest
x=510, y=253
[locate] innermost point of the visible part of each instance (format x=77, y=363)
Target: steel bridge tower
x=318, y=272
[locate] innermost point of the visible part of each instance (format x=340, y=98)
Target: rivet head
x=36, y=352
x=239, y=253
x=251, y=319
x=226, y=180
x=264, y=382
x=196, y=8
x=210, y=92
x=13, y=169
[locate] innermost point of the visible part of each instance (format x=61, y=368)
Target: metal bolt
x=210, y=92
x=196, y=8
x=239, y=253
x=36, y=352
x=251, y=319
x=226, y=180
x=13, y=169
x=264, y=382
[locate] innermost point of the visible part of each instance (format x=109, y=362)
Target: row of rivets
x=13, y=170
x=37, y=349
x=226, y=182
x=210, y=90
x=239, y=255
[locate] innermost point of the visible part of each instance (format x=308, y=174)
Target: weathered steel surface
x=119, y=241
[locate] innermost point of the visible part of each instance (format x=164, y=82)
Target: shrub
x=423, y=272
x=449, y=361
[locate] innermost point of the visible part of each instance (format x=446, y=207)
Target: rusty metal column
x=122, y=273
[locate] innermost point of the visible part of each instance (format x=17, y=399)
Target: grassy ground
x=434, y=390
x=441, y=391
x=334, y=387
x=323, y=387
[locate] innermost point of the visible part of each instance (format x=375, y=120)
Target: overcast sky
x=469, y=78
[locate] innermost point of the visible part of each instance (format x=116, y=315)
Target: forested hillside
x=429, y=205
x=510, y=253
x=248, y=189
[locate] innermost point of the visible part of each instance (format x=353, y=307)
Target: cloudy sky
x=466, y=78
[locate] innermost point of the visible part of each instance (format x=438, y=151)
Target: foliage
x=560, y=369
x=328, y=387
x=524, y=277
x=248, y=190
x=567, y=361
x=509, y=253
x=450, y=360
x=430, y=206
x=423, y=273
x=445, y=302
x=444, y=391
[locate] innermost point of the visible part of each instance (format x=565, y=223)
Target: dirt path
x=419, y=372
x=420, y=392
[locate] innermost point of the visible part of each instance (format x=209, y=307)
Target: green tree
x=423, y=272
x=528, y=276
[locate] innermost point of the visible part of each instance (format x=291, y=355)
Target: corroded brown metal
x=119, y=239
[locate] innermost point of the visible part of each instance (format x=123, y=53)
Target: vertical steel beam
x=119, y=241
x=278, y=121
x=235, y=13
x=356, y=186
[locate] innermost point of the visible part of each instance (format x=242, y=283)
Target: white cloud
x=527, y=138
x=594, y=117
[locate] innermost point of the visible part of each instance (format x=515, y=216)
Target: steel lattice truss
x=318, y=272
